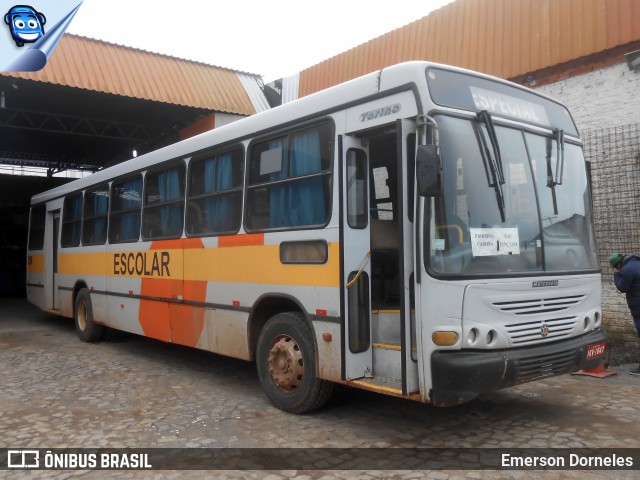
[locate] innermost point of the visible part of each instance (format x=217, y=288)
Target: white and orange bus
x=423, y=231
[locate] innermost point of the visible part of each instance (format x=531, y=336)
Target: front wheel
x=286, y=362
x=87, y=329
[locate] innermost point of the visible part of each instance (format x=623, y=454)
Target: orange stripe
x=242, y=240
x=180, y=243
x=173, y=323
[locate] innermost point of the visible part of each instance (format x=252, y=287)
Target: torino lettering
x=380, y=112
x=146, y=264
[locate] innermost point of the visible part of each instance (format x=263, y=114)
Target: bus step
x=387, y=360
x=385, y=326
x=390, y=386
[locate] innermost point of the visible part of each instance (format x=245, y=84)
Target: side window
x=36, y=228
x=357, y=205
x=164, y=203
x=71, y=221
x=126, y=202
x=215, y=194
x=94, y=219
x=290, y=180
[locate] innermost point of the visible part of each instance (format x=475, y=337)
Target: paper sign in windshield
x=494, y=241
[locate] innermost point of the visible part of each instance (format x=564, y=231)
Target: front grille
x=536, y=306
x=544, y=366
x=540, y=319
x=530, y=331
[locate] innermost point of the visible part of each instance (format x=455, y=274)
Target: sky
x=271, y=38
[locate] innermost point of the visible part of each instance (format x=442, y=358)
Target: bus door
x=356, y=272
x=55, y=297
x=406, y=144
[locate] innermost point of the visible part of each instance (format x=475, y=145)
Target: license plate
x=596, y=350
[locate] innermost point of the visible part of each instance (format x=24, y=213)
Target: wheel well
x=77, y=287
x=263, y=310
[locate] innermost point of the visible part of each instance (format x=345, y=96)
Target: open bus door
x=356, y=272
x=406, y=144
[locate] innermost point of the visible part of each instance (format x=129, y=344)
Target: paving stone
x=132, y=392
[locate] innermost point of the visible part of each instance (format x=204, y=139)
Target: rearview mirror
x=428, y=171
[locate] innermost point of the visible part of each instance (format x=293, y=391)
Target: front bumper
x=459, y=376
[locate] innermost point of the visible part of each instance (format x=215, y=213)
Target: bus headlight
x=444, y=339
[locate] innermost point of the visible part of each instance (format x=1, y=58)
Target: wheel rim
x=285, y=363
x=82, y=316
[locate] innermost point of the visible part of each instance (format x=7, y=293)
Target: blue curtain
x=307, y=199
x=169, y=189
x=75, y=213
x=101, y=209
x=218, y=212
x=131, y=197
x=97, y=206
x=279, y=194
x=299, y=202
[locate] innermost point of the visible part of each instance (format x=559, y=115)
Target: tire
x=87, y=329
x=286, y=363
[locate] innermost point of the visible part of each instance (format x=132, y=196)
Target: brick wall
x=605, y=103
x=600, y=99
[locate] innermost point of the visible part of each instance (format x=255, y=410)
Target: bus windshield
x=515, y=207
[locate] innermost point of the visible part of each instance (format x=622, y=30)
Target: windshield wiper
x=560, y=158
x=491, y=158
x=557, y=180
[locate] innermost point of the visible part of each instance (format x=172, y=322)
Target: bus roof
x=323, y=102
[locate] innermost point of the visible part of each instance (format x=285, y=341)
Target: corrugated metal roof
x=505, y=38
x=104, y=67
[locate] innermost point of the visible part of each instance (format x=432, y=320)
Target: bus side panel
x=329, y=351
x=123, y=300
x=36, y=279
x=225, y=332
x=88, y=266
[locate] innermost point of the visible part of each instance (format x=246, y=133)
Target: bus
x=423, y=231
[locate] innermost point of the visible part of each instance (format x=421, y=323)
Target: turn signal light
x=444, y=339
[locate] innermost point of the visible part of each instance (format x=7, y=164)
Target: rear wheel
x=87, y=329
x=286, y=361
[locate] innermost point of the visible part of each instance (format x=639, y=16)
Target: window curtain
x=75, y=212
x=98, y=205
x=300, y=202
x=219, y=216
x=279, y=194
x=130, y=198
x=169, y=190
x=102, y=208
x=307, y=199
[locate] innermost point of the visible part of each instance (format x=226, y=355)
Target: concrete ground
x=131, y=392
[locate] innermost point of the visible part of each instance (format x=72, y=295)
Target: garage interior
x=50, y=125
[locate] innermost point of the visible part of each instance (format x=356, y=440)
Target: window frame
x=238, y=161
x=164, y=167
x=65, y=222
x=40, y=228
x=103, y=187
x=112, y=203
x=326, y=175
